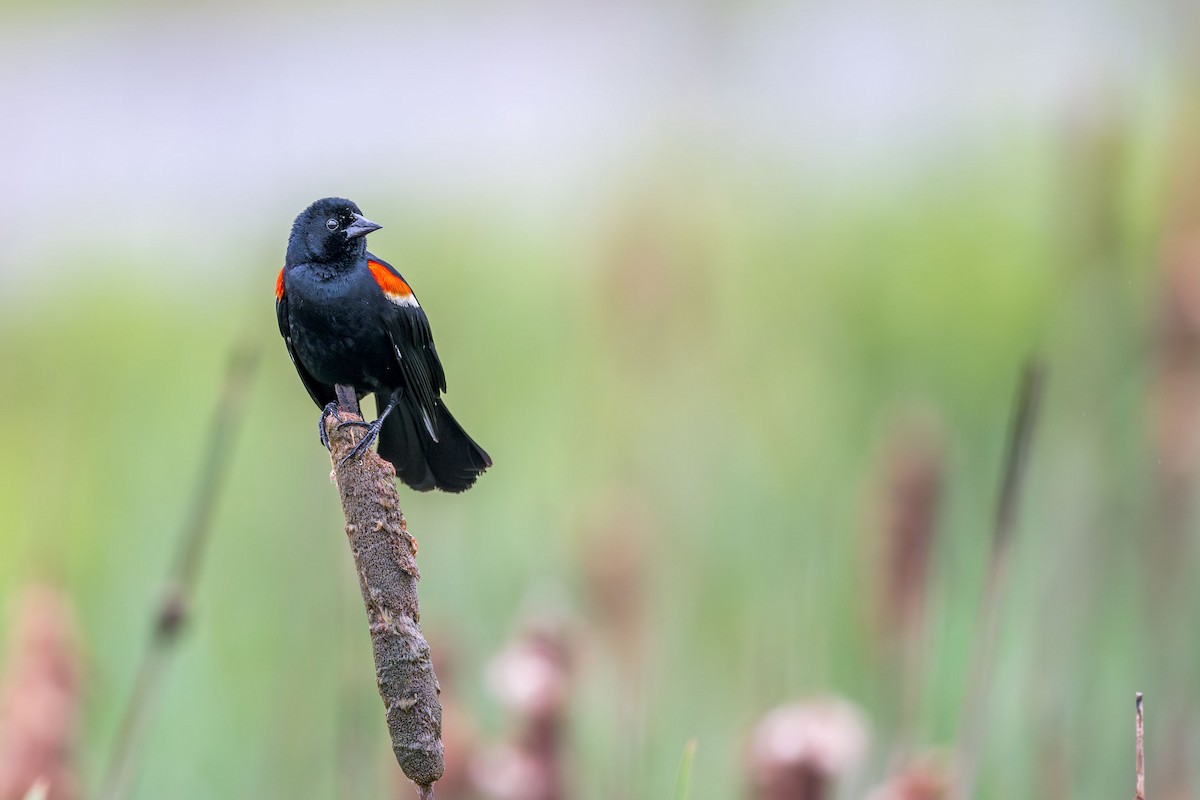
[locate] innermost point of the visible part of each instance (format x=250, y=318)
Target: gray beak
x=360, y=227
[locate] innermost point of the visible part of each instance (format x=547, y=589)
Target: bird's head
x=329, y=231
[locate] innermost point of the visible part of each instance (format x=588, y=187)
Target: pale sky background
x=123, y=125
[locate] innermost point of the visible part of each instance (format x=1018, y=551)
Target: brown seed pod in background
x=923, y=778
x=799, y=751
x=531, y=677
x=40, y=699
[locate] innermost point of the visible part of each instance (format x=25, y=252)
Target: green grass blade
x=683, y=782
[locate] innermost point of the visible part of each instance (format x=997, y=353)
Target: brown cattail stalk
x=461, y=739
x=906, y=510
x=1168, y=549
x=385, y=558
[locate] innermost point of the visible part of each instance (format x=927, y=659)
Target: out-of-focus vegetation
x=688, y=386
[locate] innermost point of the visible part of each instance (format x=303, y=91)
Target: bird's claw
x=330, y=410
x=334, y=410
x=367, y=440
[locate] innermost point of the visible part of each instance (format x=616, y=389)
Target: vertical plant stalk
x=1139, y=751
x=172, y=609
x=907, y=509
x=385, y=559
x=683, y=781
x=973, y=722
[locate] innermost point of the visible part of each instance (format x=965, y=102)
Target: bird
x=349, y=319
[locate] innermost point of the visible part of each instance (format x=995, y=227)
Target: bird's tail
x=451, y=462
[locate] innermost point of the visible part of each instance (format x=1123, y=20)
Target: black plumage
x=350, y=318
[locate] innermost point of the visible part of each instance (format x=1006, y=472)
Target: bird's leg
x=347, y=403
x=373, y=428
x=347, y=399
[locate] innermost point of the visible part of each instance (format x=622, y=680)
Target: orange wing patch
x=279, y=287
x=393, y=285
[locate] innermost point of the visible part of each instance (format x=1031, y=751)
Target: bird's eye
x=331, y=224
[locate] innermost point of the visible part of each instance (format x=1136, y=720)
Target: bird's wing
x=412, y=342
x=321, y=393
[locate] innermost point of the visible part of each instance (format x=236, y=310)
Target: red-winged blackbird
x=349, y=318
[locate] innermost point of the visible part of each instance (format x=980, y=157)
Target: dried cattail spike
x=798, y=751
x=532, y=678
x=1177, y=387
x=508, y=772
x=922, y=779
x=39, y=699
x=912, y=486
x=614, y=562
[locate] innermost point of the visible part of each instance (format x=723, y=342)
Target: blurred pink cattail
x=1175, y=421
x=655, y=282
x=639, y=273
x=908, y=503
x=614, y=565
x=798, y=751
x=458, y=739
x=908, y=495
x=921, y=779
x=1177, y=388
x=531, y=677
x=39, y=699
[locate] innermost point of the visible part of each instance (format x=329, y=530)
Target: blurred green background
x=692, y=269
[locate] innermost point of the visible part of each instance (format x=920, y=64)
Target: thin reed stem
x=172, y=610
x=1139, y=750
x=973, y=721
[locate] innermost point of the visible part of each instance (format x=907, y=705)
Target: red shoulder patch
x=392, y=284
x=279, y=287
